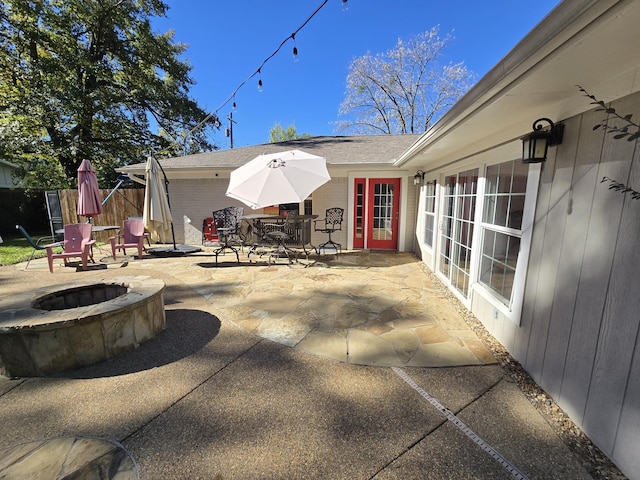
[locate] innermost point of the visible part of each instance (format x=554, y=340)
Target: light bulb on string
x=345, y=5
x=295, y=54
x=295, y=48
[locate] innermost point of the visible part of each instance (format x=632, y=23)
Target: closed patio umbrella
x=156, y=213
x=89, y=202
x=271, y=179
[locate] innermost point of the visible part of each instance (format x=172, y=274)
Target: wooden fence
x=124, y=203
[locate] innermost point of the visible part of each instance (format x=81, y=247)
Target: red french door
x=359, y=201
x=383, y=210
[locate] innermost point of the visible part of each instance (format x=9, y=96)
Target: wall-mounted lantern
x=536, y=143
x=418, y=177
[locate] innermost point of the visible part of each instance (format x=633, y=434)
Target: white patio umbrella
x=156, y=213
x=271, y=179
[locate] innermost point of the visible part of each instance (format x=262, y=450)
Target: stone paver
x=380, y=295
x=67, y=457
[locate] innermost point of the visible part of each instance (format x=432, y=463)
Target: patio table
x=96, y=228
x=301, y=238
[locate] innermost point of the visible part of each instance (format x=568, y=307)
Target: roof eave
x=502, y=106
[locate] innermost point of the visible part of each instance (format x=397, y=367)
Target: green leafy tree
x=280, y=134
x=403, y=90
x=88, y=79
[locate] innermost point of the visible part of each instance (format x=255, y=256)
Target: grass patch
x=16, y=249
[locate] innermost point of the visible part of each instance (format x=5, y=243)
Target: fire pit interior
x=79, y=296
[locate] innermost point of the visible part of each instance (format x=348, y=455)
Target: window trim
x=467, y=301
x=433, y=213
x=514, y=309
x=482, y=162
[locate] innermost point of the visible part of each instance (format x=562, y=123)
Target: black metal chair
x=34, y=243
x=331, y=223
x=227, y=224
x=281, y=234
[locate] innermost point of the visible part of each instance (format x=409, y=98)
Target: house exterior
x=6, y=174
x=546, y=255
x=379, y=198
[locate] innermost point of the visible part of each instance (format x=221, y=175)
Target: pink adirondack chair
x=132, y=236
x=77, y=243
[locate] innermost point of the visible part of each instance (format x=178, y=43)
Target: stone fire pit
x=60, y=328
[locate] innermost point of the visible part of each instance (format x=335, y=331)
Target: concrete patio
x=281, y=372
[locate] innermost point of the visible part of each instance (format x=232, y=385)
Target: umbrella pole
x=177, y=250
x=121, y=180
x=166, y=188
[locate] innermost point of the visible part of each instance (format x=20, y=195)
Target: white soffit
x=587, y=43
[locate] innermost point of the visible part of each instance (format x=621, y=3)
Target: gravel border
x=597, y=464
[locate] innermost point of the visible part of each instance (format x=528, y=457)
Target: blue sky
x=229, y=40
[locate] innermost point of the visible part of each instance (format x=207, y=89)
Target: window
x=456, y=235
x=429, y=211
x=504, y=196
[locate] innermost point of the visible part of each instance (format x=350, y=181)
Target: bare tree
x=403, y=90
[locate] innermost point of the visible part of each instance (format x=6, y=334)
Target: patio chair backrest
x=220, y=218
x=34, y=243
x=333, y=218
x=234, y=217
x=75, y=236
x=133, y=230
x=229, y=218
x=290, y=223
x=54, y=212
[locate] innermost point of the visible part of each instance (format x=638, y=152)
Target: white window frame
x=425, y=213
x=514, y=309
x=440, y=205
x=501, y=154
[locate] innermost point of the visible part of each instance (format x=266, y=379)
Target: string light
x=295, y=48
x=259, y=70
x=345, y=5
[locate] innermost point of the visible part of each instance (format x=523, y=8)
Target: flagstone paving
x=360, y=307
x=363, y=308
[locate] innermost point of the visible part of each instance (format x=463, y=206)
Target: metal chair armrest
x=56, y=244
x=48, y=238
x=323, y=221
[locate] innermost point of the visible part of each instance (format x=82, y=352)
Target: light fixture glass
x=536, y=144
x=418, y=177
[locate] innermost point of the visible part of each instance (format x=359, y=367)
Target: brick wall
x=193, y=200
